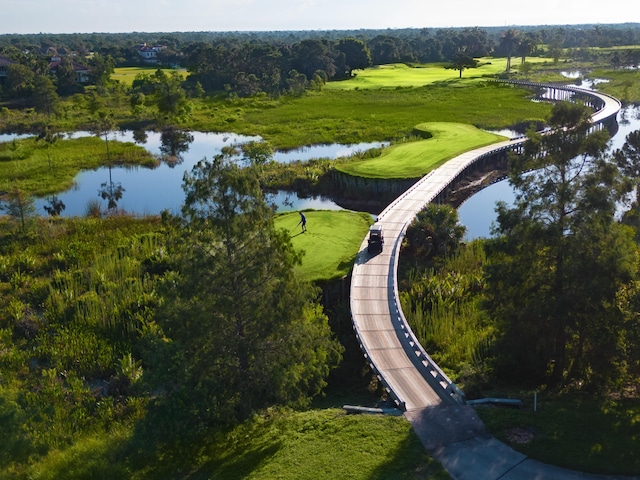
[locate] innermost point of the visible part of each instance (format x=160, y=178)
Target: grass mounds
x=39, y=170
x=330, y=243
x=577, y=431
x=414, y=159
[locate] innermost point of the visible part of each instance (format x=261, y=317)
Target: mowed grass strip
x=414, y=159
x=401, y=75
x=330, y=243
x=324, y=445
x=397, y=75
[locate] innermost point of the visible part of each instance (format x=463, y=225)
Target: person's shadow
x=299, y=233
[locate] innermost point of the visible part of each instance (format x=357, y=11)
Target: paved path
x=449, y=429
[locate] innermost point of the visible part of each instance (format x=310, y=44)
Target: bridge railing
x=428, y=367
x=420, y=358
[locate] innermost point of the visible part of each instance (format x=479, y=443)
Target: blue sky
x=82, y=16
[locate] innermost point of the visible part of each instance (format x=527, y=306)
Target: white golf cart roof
x=376, y=228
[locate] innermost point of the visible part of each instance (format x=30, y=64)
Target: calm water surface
x=150, y=191
x=478, y=212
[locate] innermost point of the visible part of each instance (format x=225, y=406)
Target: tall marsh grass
x=442, y=307
x=98, y=311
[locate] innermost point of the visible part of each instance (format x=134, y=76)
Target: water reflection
x=150, y=191
x=478, y=212
x=173, y=144
x=111, y=192
x=291, y=201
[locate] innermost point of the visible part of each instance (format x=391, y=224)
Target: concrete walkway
x=451, y=432
x=457, y=438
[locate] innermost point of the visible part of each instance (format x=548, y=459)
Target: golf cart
x=376, y=239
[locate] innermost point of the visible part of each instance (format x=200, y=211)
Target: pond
x=478, y=212
x=150, y=191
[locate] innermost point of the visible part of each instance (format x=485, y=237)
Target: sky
x=88, y=16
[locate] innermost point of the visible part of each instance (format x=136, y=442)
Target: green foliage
x=45, y=98
x=561, y=436
x=461, y=62
x=442, y=306
x=622, y=84
x=42, y=170
x=243, y=332
x=95, y=456
x=20, y=206
x=170, y=97
x=74, y=304
x=558, y=322
x=440, y=142
x=315, y=444
x=434, y=232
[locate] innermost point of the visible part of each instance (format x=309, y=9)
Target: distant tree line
x=277, y=63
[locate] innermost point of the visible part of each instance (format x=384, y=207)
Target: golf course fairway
x=330, y=243
x=414, y=159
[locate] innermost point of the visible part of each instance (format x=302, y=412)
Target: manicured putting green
x=330, y=243
x=414, y=159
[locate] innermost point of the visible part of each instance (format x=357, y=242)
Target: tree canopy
x=560, y=320
x=242, y=331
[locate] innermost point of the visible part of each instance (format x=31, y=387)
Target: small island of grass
x=42, y=170
x=414, y=159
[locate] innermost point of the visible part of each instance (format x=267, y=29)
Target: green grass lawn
x=314, y=445
x=401, y=75
x=324, y=444
x=330, y=243
x=580, y=432
x=414, y=159
x=126, y=75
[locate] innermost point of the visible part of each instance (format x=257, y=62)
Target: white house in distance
x=149, y=53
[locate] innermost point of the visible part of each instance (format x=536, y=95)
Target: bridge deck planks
x=373, y=302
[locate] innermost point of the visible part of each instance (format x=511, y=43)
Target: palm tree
x=508, y=42
x=526, y=45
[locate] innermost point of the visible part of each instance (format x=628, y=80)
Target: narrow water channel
x=478, y=212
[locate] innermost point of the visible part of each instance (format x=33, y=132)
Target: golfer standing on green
x=303, y=221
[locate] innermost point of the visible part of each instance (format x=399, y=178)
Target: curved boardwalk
x=432, y=403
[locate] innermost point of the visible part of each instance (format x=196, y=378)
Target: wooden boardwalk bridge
x=410, y=376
